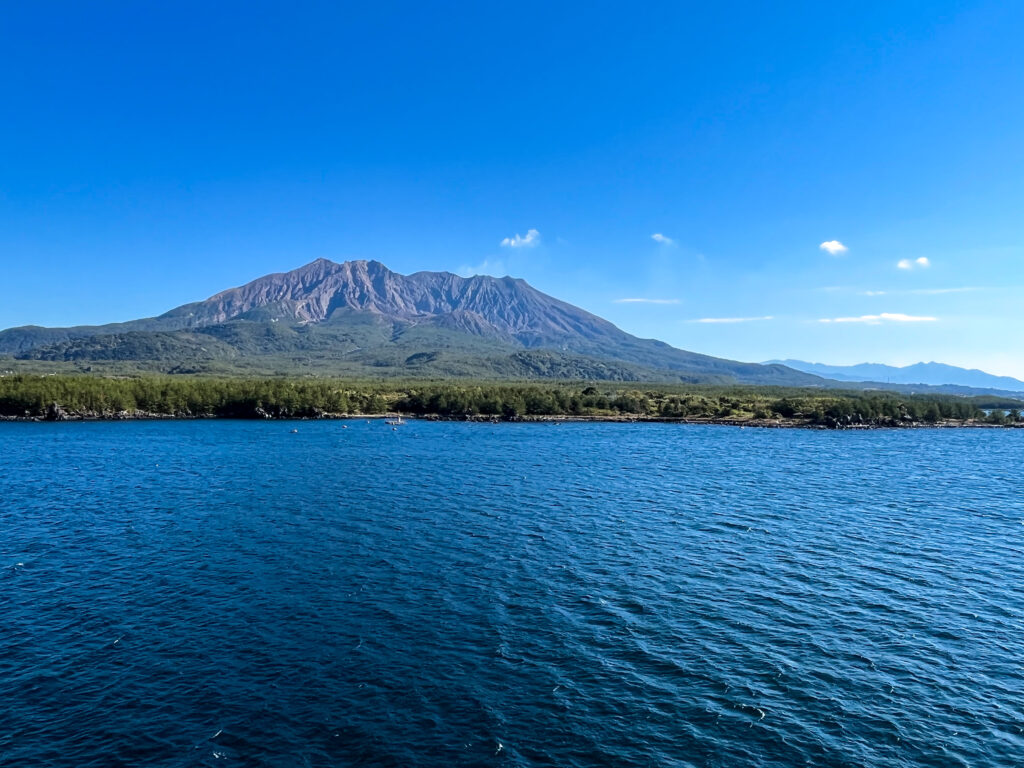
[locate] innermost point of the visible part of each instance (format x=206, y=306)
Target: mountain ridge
x=362, y=314
x=927, y=374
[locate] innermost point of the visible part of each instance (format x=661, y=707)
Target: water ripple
x=221, y=593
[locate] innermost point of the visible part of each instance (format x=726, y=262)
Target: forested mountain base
x=92, y=397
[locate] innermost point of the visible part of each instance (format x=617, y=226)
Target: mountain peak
x=431, y=313
x=323, y=263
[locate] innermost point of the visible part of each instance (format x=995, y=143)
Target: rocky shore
x=56, y=413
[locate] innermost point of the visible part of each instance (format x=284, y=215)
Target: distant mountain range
x=931, y=374
x=361, y=319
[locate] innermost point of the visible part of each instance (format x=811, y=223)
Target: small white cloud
x=646, y=301
x=908, y=264
x=733, y=319
x=834, y=247
x=872, y=293
x=885, y=317
x=529, y=240
x=660, y=238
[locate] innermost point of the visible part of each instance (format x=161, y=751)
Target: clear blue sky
x=153, y=156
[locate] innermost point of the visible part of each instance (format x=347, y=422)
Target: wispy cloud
x=529, y=240
x=834, y=247
x=492, y=267
x=940, y=291
x=916, y=291
x=919, y=263
x=885, y=317
x=646, y=301
x=732, y=319
x=660, y=238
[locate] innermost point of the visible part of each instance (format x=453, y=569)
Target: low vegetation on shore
x=92, y=397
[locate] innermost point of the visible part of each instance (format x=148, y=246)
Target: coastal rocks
x=55, y=413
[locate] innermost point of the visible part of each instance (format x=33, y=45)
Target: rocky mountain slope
x=360, y=317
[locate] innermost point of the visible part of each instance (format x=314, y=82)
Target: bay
x=233, y=593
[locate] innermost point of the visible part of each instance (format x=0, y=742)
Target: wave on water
x=218, y=593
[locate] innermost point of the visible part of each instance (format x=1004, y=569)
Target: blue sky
x=155, y=155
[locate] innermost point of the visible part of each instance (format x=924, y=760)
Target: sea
x=348, y=593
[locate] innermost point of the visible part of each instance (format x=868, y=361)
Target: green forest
x=71, y=397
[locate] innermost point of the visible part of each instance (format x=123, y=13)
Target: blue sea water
x=231, y=593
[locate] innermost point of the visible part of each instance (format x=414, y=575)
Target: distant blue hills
x=931, y=374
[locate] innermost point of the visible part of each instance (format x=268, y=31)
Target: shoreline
x=91, y=398
x=59, y=415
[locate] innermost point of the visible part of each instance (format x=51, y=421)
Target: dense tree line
x=55, y=396
x=239, y=398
